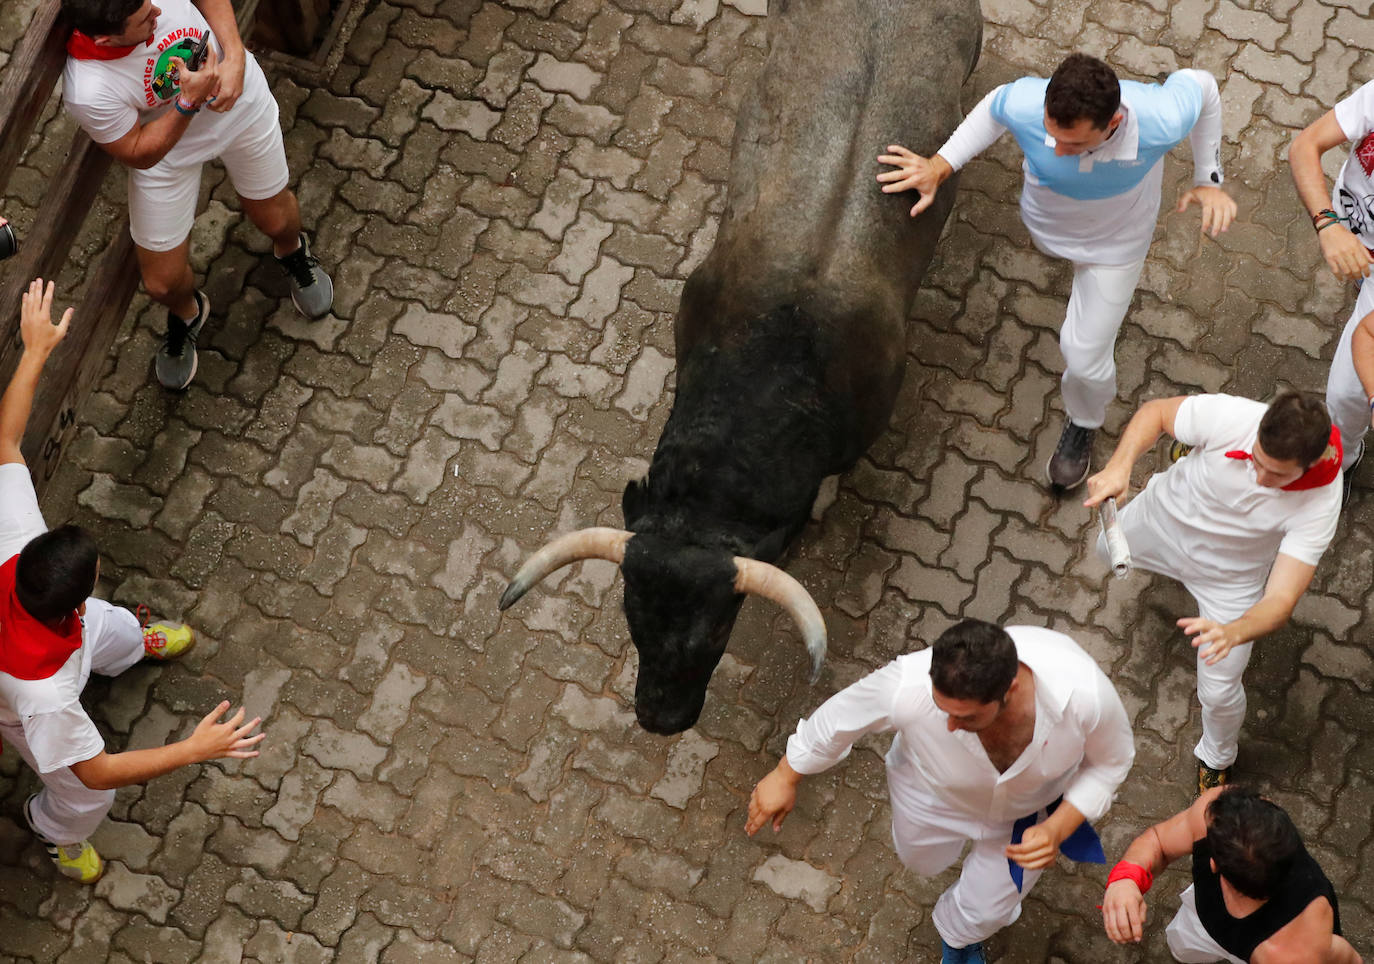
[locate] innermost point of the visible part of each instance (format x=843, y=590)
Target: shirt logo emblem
x=1365, y=154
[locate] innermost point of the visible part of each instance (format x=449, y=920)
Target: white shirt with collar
x=1082, y=746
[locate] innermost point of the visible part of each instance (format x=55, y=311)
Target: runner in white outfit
x=968, y=769
x=52, y=638
x=1240, y=522
x=1345, y=231
x=1091, y=196
x=130, y=84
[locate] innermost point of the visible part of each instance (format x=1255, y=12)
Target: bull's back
x=844, y=79
x=806, y=224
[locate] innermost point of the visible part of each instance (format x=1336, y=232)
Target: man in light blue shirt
x=1094, y=149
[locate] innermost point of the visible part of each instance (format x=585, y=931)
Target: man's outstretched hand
x=773, y=799
x=1218, y=209
x=36, y=329
x=214, y=739
x=923, y=174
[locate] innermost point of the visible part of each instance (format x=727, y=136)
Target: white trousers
x=1220, y=690
x=1098, y=302
x=1346, y=398
x=984, y=899
x=1189, y=941
x=67, y=811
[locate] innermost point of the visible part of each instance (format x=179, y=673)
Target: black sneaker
x=1348, y=476
x=312, y=290
x=1068, y=467
x=176, y=359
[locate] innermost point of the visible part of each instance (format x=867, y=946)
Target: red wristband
x=1132, y=872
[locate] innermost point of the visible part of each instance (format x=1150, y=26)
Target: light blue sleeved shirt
x=1098, y=206
x=1164, y=115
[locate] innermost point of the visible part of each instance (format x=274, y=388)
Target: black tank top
x=1240, y=936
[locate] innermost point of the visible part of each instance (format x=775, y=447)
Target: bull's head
x=681, y=602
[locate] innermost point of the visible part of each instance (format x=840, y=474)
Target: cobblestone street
x=510, y=195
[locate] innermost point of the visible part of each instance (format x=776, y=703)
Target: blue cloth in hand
x=1082, y=846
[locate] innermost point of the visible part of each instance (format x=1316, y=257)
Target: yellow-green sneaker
x=79, y=861
x=1178, y=450
x=164, y=641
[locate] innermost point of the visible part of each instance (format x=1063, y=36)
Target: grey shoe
x=1068, y=466
x=176, y=359
x=1348, y=477
x=312, y=290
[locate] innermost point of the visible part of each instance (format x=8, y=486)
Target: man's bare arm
x=40, y=336
x=219, y=14
x=1149, y=422
x=1362, y=353
x=145, y=145
x=1123, y=905
x=1288, y=580
x=1344, y=253
x=211, y=740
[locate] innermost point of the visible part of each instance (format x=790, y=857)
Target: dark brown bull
x=790, y=335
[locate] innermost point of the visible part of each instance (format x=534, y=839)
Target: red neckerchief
x=1324, y=471
x=83, y=47
x=30, y=649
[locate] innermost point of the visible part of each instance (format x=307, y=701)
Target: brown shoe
x=1209, y=778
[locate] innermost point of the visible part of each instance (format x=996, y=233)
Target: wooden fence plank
x=76, y=365
x=32, y=73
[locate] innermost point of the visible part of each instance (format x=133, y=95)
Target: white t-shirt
x=1214, y=512
x=108, y=97
x=1352, y=196
x=55, y=725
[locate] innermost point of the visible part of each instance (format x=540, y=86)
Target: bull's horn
x=761, y=579
x=598, y=542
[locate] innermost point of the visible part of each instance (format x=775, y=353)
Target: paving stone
x=336, y=748
x=271, y=944
x=145, y=894
x=685, y=770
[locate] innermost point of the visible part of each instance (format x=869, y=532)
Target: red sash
x=1322, y=472
x=83, y=47
x=30, y=649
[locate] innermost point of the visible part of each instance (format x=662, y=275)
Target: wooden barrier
x=30, y=78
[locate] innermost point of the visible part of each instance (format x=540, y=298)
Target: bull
x=789, y=336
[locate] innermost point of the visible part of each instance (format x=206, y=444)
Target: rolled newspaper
x=1117, y=548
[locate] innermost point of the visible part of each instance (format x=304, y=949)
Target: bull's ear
x=632, y=502
x=770, y=547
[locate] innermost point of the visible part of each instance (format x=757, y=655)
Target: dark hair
x=56, y=572
x=973, y=660
x=1252, y=840
x=1083, y=87
x=97, y=18
x=1295, y=428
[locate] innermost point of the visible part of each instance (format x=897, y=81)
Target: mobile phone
x=200, y=53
